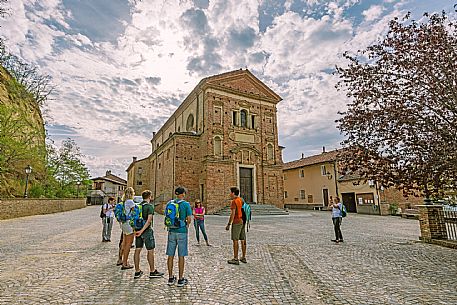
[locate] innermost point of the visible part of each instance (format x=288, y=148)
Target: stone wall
x=13, y=208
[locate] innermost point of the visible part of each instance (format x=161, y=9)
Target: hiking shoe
x=171, y=281
x=233, y=261
x=182, y=282
x=243, y=260
x=138, y=274
x=155, y=274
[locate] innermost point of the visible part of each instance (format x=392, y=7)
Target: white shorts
x=126, y=228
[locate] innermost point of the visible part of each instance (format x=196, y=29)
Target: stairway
x=256, y=210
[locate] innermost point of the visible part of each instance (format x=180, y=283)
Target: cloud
x=121, y=68
x=373, y=12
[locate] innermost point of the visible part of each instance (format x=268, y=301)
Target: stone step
x=257, y=209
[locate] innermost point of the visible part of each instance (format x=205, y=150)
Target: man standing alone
x=238, y=228
x=145, y=236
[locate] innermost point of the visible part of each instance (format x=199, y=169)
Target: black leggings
x=337, y=227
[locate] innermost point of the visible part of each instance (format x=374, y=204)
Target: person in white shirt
x=127, y=230
x=108, y=210
x=337, y=218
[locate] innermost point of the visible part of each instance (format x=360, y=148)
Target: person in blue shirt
x=177, y=238
x=337, y=218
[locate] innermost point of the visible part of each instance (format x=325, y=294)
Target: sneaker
x=171, y=281
x=155, y=274
x=233, y=261
x=341, y=240
x=335, y=240
x=138, y=274
x=243, y=260
x=182, y=282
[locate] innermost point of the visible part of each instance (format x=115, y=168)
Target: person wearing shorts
x=145, y=237
x=238, y=231
x=127, y=230
x=177, y=238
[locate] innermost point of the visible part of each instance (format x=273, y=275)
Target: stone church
x=224, y=134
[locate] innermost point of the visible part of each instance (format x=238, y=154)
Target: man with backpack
x=238, y=231
x=144, y=236
x=177, y=219
x=107, y=215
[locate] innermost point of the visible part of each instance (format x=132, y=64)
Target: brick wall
x=13, y=208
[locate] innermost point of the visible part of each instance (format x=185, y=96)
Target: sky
x=121, y=67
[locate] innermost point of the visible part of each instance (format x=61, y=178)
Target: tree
x=65, y=165
x=401, y=124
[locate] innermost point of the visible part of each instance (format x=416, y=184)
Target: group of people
x=177, y=236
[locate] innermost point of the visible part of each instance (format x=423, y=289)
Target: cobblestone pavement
x=59, y=259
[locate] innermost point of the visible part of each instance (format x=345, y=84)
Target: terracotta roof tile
x=311, y=160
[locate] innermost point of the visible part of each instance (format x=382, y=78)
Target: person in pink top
x=199, y=221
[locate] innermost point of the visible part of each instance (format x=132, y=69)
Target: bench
x=410, y=213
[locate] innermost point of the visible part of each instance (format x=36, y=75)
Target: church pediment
x=244, y=83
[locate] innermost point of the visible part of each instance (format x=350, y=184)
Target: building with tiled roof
x=106, y=186
x=223, y=134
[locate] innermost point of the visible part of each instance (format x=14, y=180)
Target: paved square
x=59, y=259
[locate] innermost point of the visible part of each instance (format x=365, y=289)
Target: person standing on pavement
x=238, y=231
x=145, y=237
x=178, y=238
x=337, y=218
x=199, y=221
x=127, y=230
x=108, y=210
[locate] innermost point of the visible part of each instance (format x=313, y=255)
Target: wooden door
x=349, y=202
x=325, y=194
x=246, y=184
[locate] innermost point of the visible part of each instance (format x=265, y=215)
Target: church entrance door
x=246, y=184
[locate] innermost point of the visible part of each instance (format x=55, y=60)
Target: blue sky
x=122, y=67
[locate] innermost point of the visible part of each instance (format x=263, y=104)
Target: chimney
x=302, y=155
x=153, y=134
x=108, y=173
x=134, y=159
x=323, y=149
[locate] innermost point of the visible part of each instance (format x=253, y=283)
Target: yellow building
x=311, y=182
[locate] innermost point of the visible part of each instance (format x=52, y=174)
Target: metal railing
x=450, y=221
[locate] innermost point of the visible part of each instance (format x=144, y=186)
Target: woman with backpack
x=199, y=221
x=127, y=230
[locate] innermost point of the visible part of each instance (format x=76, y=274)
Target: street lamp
x=28, y=171
x=78, y=183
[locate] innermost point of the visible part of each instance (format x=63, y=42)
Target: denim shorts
x=177, y=240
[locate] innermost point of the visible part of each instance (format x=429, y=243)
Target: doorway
x=246, y=184
x=349, y=202
x=325, y=195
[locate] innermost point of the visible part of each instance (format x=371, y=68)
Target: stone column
x=432, y=223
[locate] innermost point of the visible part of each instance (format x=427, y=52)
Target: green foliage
x=21, y=144
x=393, y=208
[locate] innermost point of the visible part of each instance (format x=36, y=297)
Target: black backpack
x=102, y=215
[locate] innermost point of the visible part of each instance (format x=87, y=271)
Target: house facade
x=224, y=134
x=106, y=186
x=310, y=182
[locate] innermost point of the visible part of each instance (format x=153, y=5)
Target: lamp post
x=78, y=183
x=28, y=171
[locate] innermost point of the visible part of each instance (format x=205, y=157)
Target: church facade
x=224, y=134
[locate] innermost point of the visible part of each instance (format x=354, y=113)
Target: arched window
x=190, y=122
x=244, y=118
x=217, y=146
x=270, y=152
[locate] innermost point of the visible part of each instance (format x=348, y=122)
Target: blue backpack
x=137, y=221
x=119, y=212
x=171, y=212
x=246, y=214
